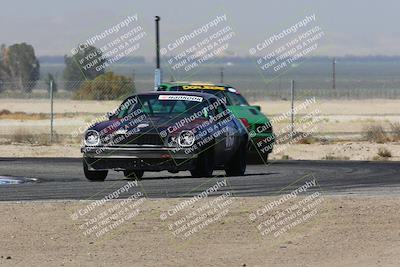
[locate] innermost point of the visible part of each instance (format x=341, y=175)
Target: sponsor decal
x=229, y=139
x=200, y=87
x=181, y=97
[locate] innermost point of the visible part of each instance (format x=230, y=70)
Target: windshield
x=164, y=105
x=233, y=98
x=236, y=99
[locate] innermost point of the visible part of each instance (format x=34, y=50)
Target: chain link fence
x=275, y=89
x=26, y=112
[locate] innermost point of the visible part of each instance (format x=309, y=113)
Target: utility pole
x=334, y=73
x=157, y=71
x=51, y=112
x=280, y=84
x=222, y=74
x=133, y=78
x=292, y=109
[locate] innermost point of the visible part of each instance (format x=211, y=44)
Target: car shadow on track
x=190, y=177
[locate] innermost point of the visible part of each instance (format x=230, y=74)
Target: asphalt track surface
x=63, y=179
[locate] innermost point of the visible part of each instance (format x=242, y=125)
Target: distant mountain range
x=236, y=59
x=60, y=60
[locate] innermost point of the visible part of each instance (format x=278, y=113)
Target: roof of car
x=191, y=93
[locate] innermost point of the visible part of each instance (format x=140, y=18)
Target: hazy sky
x=351, y=27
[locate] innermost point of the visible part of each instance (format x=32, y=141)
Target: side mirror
x=257, y=107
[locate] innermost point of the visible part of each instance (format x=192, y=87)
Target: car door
x=227, y=138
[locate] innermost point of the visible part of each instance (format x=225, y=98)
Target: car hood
x=148, y=124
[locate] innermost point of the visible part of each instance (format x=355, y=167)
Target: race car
x=258, y=125
x=173, y=131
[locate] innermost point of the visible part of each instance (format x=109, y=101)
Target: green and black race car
x=258, y=125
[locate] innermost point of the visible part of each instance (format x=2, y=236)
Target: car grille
x=141, y=139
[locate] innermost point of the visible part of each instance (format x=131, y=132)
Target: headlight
x=186, y=138
x=92, y=138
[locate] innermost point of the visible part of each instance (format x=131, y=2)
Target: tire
x=266, y=157
x=95, y=176
x=237, y=164
x=204, y=164
x=134, y=174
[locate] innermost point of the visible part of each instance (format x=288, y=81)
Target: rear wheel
x=94, y=175
x=237, y=165
x=204, y=164
x=134, y=174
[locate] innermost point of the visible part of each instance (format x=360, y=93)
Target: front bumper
x=147, y=158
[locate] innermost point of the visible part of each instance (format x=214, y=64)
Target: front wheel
x=204, y=164
x=97, y=176
x=237, y=164
x=134, y=174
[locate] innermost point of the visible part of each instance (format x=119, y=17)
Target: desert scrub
x=375, y=133
x=25, y=136
x=384, y=152
x=395, y=129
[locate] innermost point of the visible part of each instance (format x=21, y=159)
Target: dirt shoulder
x=356, y=231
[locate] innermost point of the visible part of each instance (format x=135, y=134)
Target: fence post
x=51, y=111
x=292, y=108
x=334, y=73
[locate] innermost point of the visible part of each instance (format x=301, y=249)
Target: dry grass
x=384, y=153
x=8, y=115
x=395, y=129
x=375, y=133
x=23, y=136
x=296, y=138
x=308, y=139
